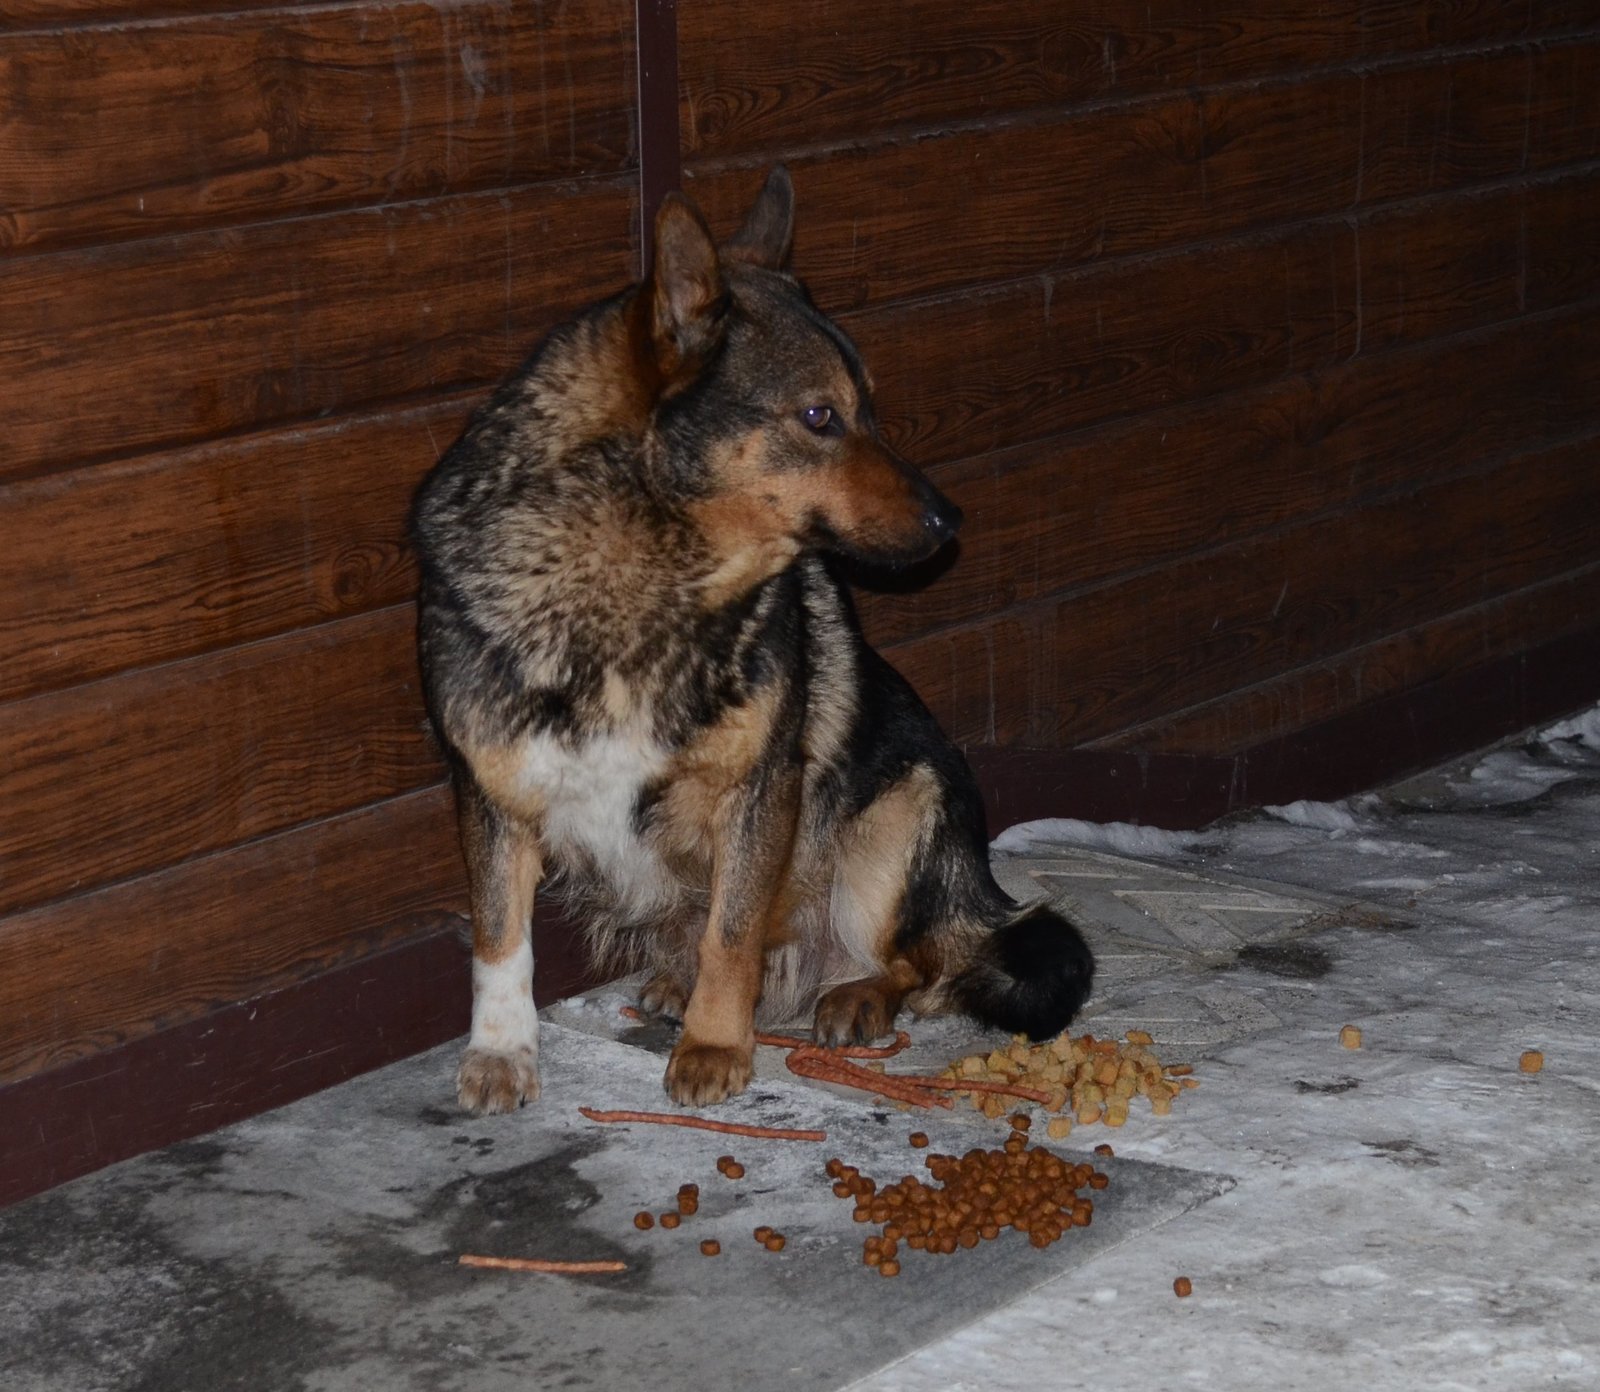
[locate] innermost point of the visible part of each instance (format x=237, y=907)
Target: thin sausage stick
x=558, y=1268
x=902, y=1040
x=731, y=1128
x=1038, y=1095
x=816, y=1064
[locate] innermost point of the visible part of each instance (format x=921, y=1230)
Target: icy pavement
x=1413, y=1214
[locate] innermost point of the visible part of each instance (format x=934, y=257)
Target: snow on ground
x=1416, y=1214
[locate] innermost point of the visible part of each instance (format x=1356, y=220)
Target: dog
x=653, y=696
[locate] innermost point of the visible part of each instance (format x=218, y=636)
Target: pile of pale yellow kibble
x=1087, y=1079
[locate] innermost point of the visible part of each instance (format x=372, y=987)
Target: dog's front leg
x=500, y=1068
x=753, y=843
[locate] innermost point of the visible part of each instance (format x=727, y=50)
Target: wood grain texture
x=1174, y=636
x=1393, y=664
x=142, y=770
x=121, y=349
x=136, y=130
x=99, y=969
x=167, y=556
x=1118, y=181
x=1078, y=510
x=758, y=77
x=977, y=372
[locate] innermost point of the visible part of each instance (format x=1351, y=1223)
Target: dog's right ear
x=688, y=300
x=767, y=237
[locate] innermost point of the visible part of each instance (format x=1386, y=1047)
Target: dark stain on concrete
x=437, y=1116
x=530, y=1210
x=119, y=1303
x=1404, y=1152
x=1297, y=961
x=1332, y=1089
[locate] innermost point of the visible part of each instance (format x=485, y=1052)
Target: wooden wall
x=257, y=265
x=1259, y=341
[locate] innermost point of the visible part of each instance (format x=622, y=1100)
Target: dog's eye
x=821, y=419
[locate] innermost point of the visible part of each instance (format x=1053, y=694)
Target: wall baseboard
x=244, y=1059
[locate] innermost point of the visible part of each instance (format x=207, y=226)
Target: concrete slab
x=315, y=1248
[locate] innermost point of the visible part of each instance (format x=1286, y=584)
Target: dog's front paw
x=699, y=1074
x=663, y=998
x=856, y=1013
x=490, y=1081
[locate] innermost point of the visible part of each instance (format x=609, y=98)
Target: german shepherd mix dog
x=654, y=696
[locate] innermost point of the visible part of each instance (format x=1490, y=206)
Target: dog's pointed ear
x=767, y=236
x=688, y=300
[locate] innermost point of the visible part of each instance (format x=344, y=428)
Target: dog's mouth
x=889, y=550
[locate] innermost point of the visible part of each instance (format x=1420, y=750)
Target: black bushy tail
x=1030, y=977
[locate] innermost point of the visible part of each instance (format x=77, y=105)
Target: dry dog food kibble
x=710, y=1247
x=763, y=1233
x=919, y=1140
x=774, y=1242
x=1531, y=1062
x=972, y=1198
x=643, y=1221
x=1350, y=1037
x=1105, y=1150
x=1084, y=1079
x=1182, y=1286
x=670, y=1220
x=734, y=1170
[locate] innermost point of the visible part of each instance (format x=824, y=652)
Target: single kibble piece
x=1182, y=1286
x=1058, y=1128
x=1020, y=1121
x=1138, y=1037
x=763, y=1233
x=1531, y=1062
x=919, y=1139
x=689, y=1191
x=889, y=1268
x=734, y=1170
x=1098, y=1180
x=1104, y=1149
x=1350, y=1037
x=774, y=1242
x=643, y=1221
x=834, y=1167
x=710, y=1247
x=670, y=1220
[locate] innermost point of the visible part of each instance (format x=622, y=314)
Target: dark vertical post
x=656, y=27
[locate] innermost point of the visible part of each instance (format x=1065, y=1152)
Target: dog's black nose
x=942, y=519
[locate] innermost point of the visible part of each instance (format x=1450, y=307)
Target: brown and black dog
x=655, y=699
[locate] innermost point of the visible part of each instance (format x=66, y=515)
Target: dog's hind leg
x=871, y=879
x=500, y=1068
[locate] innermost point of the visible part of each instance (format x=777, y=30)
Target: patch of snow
x=1322, y=816
x=1122, y=838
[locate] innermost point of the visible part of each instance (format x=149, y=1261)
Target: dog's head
x=764, y=402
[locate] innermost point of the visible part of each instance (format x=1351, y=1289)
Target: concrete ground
x=1415, y=1213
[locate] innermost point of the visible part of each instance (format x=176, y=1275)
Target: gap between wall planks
x=660, y=167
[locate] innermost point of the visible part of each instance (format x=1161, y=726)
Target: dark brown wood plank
x=136, y=130
x=764, y=78
x=1388, y=667
x=1113, y=182
x=145, y=769
x=1562, y=242
x=97, y=970
x=978, y=372
x=1130, y=651
x=170, y=555
x=1077, y=510
x=116, y=350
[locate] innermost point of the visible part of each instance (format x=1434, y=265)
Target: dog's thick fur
x=654, y=696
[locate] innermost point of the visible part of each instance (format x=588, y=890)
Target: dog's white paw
x=491, y=1081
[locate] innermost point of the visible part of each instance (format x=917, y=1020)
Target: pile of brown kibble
x=1087, y=1079
x=973, y=1199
